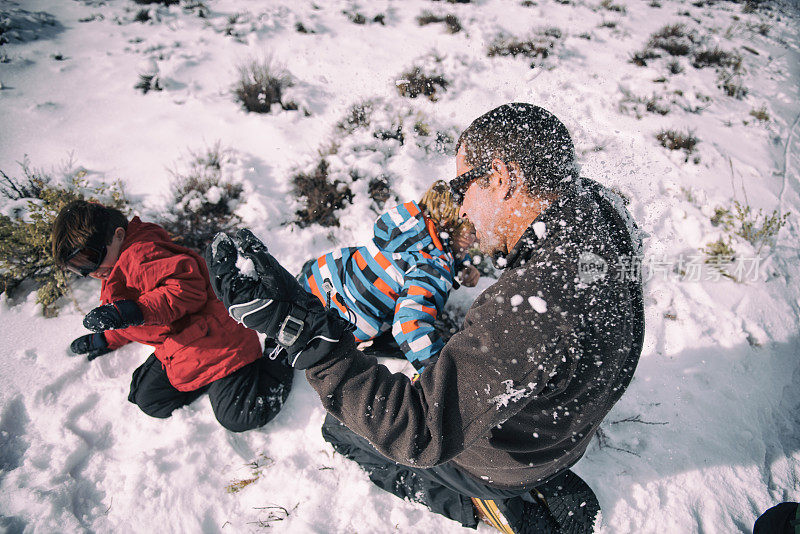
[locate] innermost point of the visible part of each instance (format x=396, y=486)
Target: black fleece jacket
x=544, y=354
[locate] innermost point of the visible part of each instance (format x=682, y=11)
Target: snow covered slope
x=707, y=435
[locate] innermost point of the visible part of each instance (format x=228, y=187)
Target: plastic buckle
x=290, y=330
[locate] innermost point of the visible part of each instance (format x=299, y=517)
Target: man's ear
x=119, y=233
x=502, y=174
x=507, y=176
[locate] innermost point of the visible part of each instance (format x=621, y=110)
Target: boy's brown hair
x=437, y=204
x=78, y=222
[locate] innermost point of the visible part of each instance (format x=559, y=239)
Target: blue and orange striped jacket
x=399, y=281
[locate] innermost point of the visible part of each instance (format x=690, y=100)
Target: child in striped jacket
x=400, y=279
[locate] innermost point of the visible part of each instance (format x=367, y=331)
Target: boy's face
x=112, y=255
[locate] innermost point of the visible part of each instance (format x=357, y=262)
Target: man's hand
x=469, y=276
x=118, y=314
x=274, y=303
x=93, y=345
x=259, y=303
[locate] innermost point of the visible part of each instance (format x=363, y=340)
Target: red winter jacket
x=195, y=339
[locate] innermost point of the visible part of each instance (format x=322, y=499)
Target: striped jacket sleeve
x=420, y=301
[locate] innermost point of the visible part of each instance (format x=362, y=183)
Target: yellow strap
x=493, y=515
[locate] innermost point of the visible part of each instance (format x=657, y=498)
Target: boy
x=400, y=279
x=158, y=293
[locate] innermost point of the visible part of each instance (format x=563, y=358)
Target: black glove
x=118, y=314
x=93, y=345
x=274, y=303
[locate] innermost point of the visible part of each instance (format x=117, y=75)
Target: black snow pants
x=246, y=399
x=444, y=489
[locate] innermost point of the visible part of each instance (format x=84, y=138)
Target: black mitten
x=271, y=301
x=118, y=314
x=93, y=345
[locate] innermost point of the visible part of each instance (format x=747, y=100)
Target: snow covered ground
x=706, y=437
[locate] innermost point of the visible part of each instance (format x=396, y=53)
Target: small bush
x=641, y=57
x=262, y=84
x=202, y=201
x=722, y=217
x=379, y=191
x=760, y=113
x=143, y=15
x=732, y=86
x=755, y=227
x=148, y=82
x=674, y=39
x=416, y=82
x=359, y=18
x=718, y=58
x=611, y=6
x=720, y=251
x=719, y=254
x=674, y=140
x=25, y=257
x=762, y=28
x=537, y=46
x=321, y=196
x=451, y=22
x=197, y=7
x=358, y=116
x=674, y=67
x=635, y=105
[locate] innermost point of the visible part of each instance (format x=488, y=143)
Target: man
x=491, y=429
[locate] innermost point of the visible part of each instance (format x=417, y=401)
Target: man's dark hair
x=528, y=135
x=78, y=222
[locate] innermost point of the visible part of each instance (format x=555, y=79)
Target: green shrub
x=451, y=22
x=321, y=196
x=202, y=202
x=611, y=6
x=416, y=82
x=143, y=15
x=760, y=113
x=25, y=258
x=358, y=116
x=717, y=57
x=731, y=84
x=539, y=45
x=755, y=227
x=261, y=84
x=719, y=254
x=148, y=82
x=674, y=140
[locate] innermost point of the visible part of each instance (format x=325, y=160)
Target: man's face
x=112, y=255
x=483, y=207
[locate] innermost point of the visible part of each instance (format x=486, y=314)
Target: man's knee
x=250, y=399
x=242, y=422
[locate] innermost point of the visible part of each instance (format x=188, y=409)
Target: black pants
x=247, y=398
x=444, y=489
